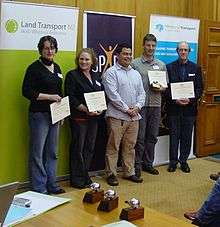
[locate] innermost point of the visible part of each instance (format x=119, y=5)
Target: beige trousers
x=124, y=133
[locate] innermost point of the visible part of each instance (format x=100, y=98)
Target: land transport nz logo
x=11, y=26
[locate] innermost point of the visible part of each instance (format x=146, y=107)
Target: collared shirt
x=124, y=89
x=153, y=98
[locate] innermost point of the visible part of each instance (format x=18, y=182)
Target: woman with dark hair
x=42, y=86
x=83, y=123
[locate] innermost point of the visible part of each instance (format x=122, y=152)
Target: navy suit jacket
x=194, y=74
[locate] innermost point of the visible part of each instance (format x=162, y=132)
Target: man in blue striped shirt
x=124, y=89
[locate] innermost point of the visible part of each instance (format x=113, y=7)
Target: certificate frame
x=95, y=101
x=157, y=76
x=182, y=90
x=60, y=110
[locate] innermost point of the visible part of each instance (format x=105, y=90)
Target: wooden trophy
x=95, y=195
x=134, y=212
x=109, y=202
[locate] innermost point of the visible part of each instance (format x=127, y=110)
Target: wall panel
x=204, y=10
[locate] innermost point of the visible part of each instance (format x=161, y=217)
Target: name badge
x=191, y=74
x=98, y=83
x=60, y=75
x=156, y=67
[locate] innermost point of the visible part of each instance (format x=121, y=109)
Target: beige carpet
x=170, y=193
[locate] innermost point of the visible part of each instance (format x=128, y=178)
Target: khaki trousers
x=124, y=133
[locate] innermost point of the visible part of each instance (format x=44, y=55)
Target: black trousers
x=81, y=150
x=180, y=137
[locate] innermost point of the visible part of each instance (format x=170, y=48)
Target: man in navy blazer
x=182, y=112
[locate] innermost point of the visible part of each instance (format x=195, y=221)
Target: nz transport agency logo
x=11, y=26
x=159, y=27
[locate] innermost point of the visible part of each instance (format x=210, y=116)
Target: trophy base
x=108, y=205
x=93, y=197
x=131, y=214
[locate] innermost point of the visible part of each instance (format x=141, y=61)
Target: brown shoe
x=112, y=180
x=134, y=178
x=191, y=215
x=214, y=176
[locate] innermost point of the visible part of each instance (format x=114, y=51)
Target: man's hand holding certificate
x=158, y=79
x=182, y=90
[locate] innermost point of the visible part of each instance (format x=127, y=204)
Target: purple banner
x=104, y=33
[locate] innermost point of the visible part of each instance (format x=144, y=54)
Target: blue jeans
x=209, y=213
x=43, y=152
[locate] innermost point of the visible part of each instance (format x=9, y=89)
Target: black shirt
x=38, y=79
x=76, y=84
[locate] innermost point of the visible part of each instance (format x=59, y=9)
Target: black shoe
x=151, y=170
x=59, y=191
x=112, y=180
x=89, y=181
x=134, y=178
x=138, y=172
x=185, y=168
x=79, y=186
x=214, y=176
x=171, y=168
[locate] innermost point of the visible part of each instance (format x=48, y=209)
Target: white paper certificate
x=158, y=77
x=60, y=110
x=182, y=90
x=95, y=101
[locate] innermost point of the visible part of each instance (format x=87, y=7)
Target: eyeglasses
x=181, y=50
x=49, y=48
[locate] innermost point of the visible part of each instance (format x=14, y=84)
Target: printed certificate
x=95, y=101
x=159, y=77
x=60, y=110
x=182, y=90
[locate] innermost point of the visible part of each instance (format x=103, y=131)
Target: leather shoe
x=185, y=168
x=112, y=180
x=151, y=170
x=171, y=168
x=215, y=176
x=134, y=178
x=138, y=172
x=191, y=215
x=59, y=191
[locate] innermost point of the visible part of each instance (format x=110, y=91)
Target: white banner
x=23, y=24
x=170, y=31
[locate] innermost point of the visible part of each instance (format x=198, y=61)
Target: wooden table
x=79, y=214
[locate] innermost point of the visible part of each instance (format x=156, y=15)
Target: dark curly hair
x=50, y=39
